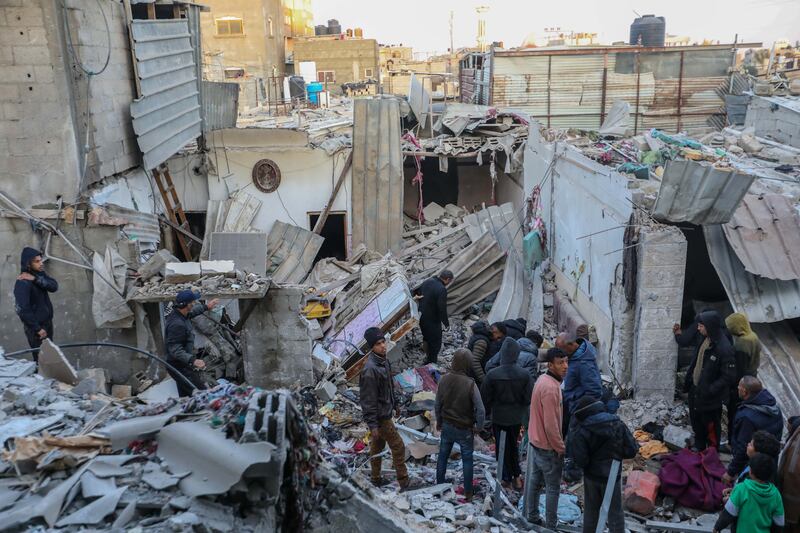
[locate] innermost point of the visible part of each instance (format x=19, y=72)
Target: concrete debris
x=95, y=512
x=676, y=437
x=156, y=264
x=182, y=272
x=53, y=364
x=221, y=268
x=243, y=285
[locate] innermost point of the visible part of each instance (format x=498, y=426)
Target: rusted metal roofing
x=377, y=175
x=761, y=299
x=765, y=234
x=699, y=193
x=167, y=115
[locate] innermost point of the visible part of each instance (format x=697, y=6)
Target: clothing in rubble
x=595, y=440
x=32, y=300
x=761, y=412
x=528, y=358
x=179, y=339
x=506, y=393
x=753, y=507
x=478, y=345
x=694, y=479
x=709, y=378
x=433, y=315
x=376, y=395
x=747, y=352
x=789, y=476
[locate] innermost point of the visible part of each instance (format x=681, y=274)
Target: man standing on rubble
x=708, y=380
x=583, y=376
x=32, y=301
x=433, y=313
x=179, y=338
x=376, y=390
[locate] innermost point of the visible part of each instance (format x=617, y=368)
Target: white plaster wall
x=307, y=175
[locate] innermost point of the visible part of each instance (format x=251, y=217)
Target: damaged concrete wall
x=308, y=174
x=775, y=118
x=662, y=266
x=275, y=341
x=474, y=187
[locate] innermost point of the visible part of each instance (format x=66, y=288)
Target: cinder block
x=662, y=253
x=31, y=55
x=652, y=277
x=19, y=74
x=660, y=297
x=181, y=272
x=9, y=92
x=655, y=339
x=44, y=73
x=654, y=318
x=24, y=16
x=656, y=360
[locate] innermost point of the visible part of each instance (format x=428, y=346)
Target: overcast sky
x=423, y=24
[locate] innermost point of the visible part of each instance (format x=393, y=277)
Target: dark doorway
x=701, y=282
x=335, y=233
x=437, y=186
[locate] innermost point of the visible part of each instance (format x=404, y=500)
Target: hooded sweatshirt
x=506, y=390
x=528, y=358
x=458, y=400
x=761, y=412
x=479, y=346
x=583, y=376
x=746, y=345
x=32, y=301
x=717, y=371
x=597, y=439
x=757, y=507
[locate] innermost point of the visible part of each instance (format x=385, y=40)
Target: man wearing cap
x=376, y=393
x=32, y=301
x=179, y=338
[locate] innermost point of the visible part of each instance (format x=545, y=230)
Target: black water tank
x=649, y=29
x=297, y=87
x=320, y=29
x=334, y=28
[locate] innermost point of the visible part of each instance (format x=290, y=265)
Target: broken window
x=326, y=76
x=227, y=26
x=234, y=72
x=369, y=73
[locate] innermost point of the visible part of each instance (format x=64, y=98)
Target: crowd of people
x=565, y=418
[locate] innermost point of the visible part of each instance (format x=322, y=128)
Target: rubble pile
x=210, y=286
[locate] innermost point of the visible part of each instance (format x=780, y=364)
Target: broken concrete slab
x=182, y=272
x=93, y=486
x=125, y=516
x=155, y=265
x=121, y=391
x=158, y=479
x=99, y=375
x=433, y=212
x=54, y=365
x=22, y=426
x=325, y=391
x=160, y=392
x=95, y=512
x=225, y=268
x=676, y=437
x=123, y=432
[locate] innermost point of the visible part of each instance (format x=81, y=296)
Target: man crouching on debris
x=376, y=390
x=595, y=440
x=459, y=415
x=179, y=338
x=32, y=301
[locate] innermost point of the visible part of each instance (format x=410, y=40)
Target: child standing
x=755, y=504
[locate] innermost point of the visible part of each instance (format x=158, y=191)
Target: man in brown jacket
x=376, y=389
x=789, y=476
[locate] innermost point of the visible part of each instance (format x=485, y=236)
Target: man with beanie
x=709, y=378
x=595, y=440
x=433, y=313
x=376, y=390
x=506, y=393
x=459, y=414
x=32, y=301
x=546, y=452
x=179, y=338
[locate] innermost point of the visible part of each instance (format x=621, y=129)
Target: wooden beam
x=151, y=11
x=180, y=229
x=323, y=217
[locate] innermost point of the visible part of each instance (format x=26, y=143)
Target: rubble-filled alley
x=266, y=276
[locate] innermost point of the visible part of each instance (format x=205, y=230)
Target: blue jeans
x=545, y=471
x=450, y=435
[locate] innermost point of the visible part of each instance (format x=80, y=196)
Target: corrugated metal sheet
x=478, y=272
x=291, y=250
x=699, y=193
x=377, y=175
x=167, y=116
x=220, y=105
x=780, y=364
x=500, y=221
x=765, y=234
x=761, y=299
x=418, y=99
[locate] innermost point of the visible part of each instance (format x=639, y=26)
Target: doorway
x=335, y=233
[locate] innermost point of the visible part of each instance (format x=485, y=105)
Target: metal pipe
x=113, y=345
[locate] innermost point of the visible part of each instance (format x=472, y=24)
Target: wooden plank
x=242, y=211
x=179, y=229
x=172, y=215
x=151, y=11
x=323, y=217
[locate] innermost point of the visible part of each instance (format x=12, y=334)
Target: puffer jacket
x=583, y=376
x=596, y=439
x=719, y=368
x=514, y=328
x=761, y=412
x=479, y=346
x=528, y=358
x=376, y=390
x=31, y=298
x=506, y=390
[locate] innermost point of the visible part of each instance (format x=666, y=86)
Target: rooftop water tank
x=320, y=29
x=334, y=28
x=648, y=30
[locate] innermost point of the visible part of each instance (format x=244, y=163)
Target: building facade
x=340, y=61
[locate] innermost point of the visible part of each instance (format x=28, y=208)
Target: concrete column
x=662, y=265
x=275, y=341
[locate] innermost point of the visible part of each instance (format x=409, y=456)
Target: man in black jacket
x=506, y=393
x=433, y=313
x=179, y=338
x=595, y=440
x=378, y=404
x=708, y=380
x=32, y=301
x=478, y=346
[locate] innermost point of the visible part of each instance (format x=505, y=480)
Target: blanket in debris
x=694, y=479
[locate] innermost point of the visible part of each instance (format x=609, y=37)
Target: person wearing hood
x=528, y=357
x=179, y=339
x=459, y=415
x=708, y=380
x=595, y=440
x=378, y=404
x=506, y=393
x=498, y=333
x=747, y=351
x=546, y=451
x=755, y=505
x=32, y=299
x=478, y=346
x=515, y=327
x=759, y=411
x=433, y=313
x=789, y=475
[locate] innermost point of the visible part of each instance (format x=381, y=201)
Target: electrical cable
x=112, y=345
x=285, y=209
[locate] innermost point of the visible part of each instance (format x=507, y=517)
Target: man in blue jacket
x=32, y=299
x=758, y=411
x=583, y=376
x=179, y=338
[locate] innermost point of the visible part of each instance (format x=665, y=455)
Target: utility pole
x=481, y=10
x=452, y=50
